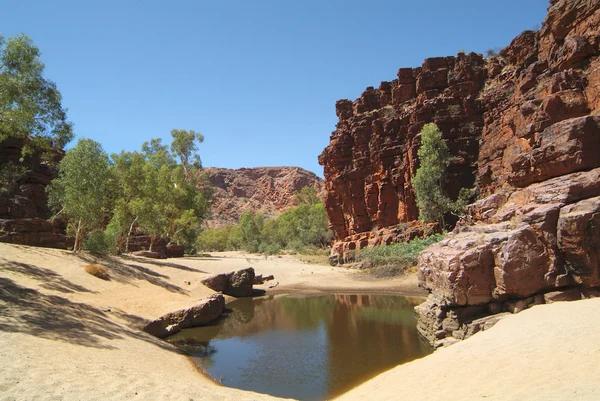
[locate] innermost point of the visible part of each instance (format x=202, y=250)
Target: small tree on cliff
x=434, y=159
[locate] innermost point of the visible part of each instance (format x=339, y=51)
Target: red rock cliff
x=267, y=190
x=23, y=200
x=525, y=129
x=373, y=152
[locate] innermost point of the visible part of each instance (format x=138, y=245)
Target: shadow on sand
x=25, y=310
x=127, y=272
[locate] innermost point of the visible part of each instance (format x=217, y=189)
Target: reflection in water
x=308, y=348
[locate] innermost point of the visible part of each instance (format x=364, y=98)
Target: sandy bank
x=548, y=352
x=65, y=335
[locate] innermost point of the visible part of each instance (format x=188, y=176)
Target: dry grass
x=315, y=259
x=97, y=270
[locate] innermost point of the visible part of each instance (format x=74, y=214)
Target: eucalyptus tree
x=30, y=104
x=429, y=180
x=83, y=191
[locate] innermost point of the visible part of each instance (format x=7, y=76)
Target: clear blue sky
x=258, y=78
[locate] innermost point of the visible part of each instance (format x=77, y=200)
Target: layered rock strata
x=524, y=129
x=23, y=200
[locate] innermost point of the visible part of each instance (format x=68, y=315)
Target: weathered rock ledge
x=537, y=240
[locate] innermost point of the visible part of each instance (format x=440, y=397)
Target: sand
x=66, y=335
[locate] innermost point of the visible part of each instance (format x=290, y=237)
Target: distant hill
x=267, y=190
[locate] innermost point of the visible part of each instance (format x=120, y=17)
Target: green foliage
x=428, y=182
x=216, y=239
x=163, y=197
x=149, y=189
x=307, y=196
x=97, y=242
x=396, y=258
x=82, y=190
x=251, y=226
x=30, y=104
x=184, y=146
x=10, y=174
x=429, y=178
x=300, y=229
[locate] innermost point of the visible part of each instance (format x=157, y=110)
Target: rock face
x=236, y=284
x=268, y=190
x=23, y=200
x=198, y=315
x=524, y=129
x=372, y=155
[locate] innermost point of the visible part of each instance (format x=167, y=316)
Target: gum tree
x=83, y=189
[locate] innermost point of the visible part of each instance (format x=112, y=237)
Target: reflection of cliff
x=337, y=340
x=378, y=336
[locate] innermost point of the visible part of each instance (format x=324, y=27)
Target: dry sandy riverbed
x=66, y=335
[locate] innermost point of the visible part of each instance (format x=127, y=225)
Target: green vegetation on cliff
x=429, y=180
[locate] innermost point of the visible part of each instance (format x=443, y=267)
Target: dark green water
x=307, y=348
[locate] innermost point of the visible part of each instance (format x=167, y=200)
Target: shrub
x=429, y=180
x=394, y=259
x=269, y=249
x=97, y=271
x=97, y=242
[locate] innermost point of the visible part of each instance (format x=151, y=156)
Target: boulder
x=203, y=313
x=579, y=240
x=236, y=284
x=151, y=255
x=571, y=294
x=175, y=251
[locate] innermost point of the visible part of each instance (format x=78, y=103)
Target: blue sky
x=258, y=78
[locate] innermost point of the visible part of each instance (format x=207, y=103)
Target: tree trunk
x=129, y=235
x=77, y=235
x=151, y=242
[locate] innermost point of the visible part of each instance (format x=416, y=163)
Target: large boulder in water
x=236, y=284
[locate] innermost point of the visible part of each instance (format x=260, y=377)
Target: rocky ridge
x=266, y=190
x=524, y=129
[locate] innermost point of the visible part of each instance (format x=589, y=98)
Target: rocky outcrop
x=372, y=155
x=524, y=129
x=237, y=284
x=198, y=315
x=266, y=190
x=23, y=200
x=534, y=236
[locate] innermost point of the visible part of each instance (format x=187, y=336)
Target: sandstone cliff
x=23, y=200
x=266, y=190
x=525, y=131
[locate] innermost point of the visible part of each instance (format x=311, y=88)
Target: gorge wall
x=266, y=190
x=524, y=130
x=23, y=200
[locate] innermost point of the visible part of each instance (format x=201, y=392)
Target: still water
x=307, y=348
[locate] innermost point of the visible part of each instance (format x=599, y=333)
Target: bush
x=97, y=271
x=396, y=258
x=97, y=242
x=269, y=249
x=301, y=228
